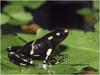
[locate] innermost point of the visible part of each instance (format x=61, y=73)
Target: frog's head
x=58, y=35
x=61, y=34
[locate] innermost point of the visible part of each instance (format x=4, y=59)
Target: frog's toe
x=66, y=56
x=52, y=61
x=44, y=66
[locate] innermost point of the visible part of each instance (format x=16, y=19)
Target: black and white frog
x=43, y=48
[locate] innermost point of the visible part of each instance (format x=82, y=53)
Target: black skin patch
x=43, y=48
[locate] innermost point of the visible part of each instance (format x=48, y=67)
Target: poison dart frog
x=42, y=48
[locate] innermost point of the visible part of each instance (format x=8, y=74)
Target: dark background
x=54, y=14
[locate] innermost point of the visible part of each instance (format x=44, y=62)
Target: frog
x=43, y=48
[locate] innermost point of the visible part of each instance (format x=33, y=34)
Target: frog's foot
x=63, y=57
x=49, y=63
x=52, y=61
x=19, y=59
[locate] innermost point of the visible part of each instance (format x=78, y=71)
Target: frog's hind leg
x=14, y=48
x=19, y=59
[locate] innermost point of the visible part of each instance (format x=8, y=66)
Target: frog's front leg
x=48, y=53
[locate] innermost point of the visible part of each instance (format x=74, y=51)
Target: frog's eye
x=58, y=34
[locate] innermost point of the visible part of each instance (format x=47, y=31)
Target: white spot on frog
x=58, y=34
x=17, y=55
x=48, y=53
x=65, y=30
x=51, y=37
x=25, y=60
x=22, y=64
x=31, y=62
x=12, y=52
x=32, y=50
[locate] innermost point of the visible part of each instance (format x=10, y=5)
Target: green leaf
x=17, y=14
x=4, y=19
x=22, y=16
x=11, y=8
x=67, y=69
x=83, y=40
x=35, y=4
x=31, y=4
x=83, y=48
x=85, y=11
x=17, y=22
